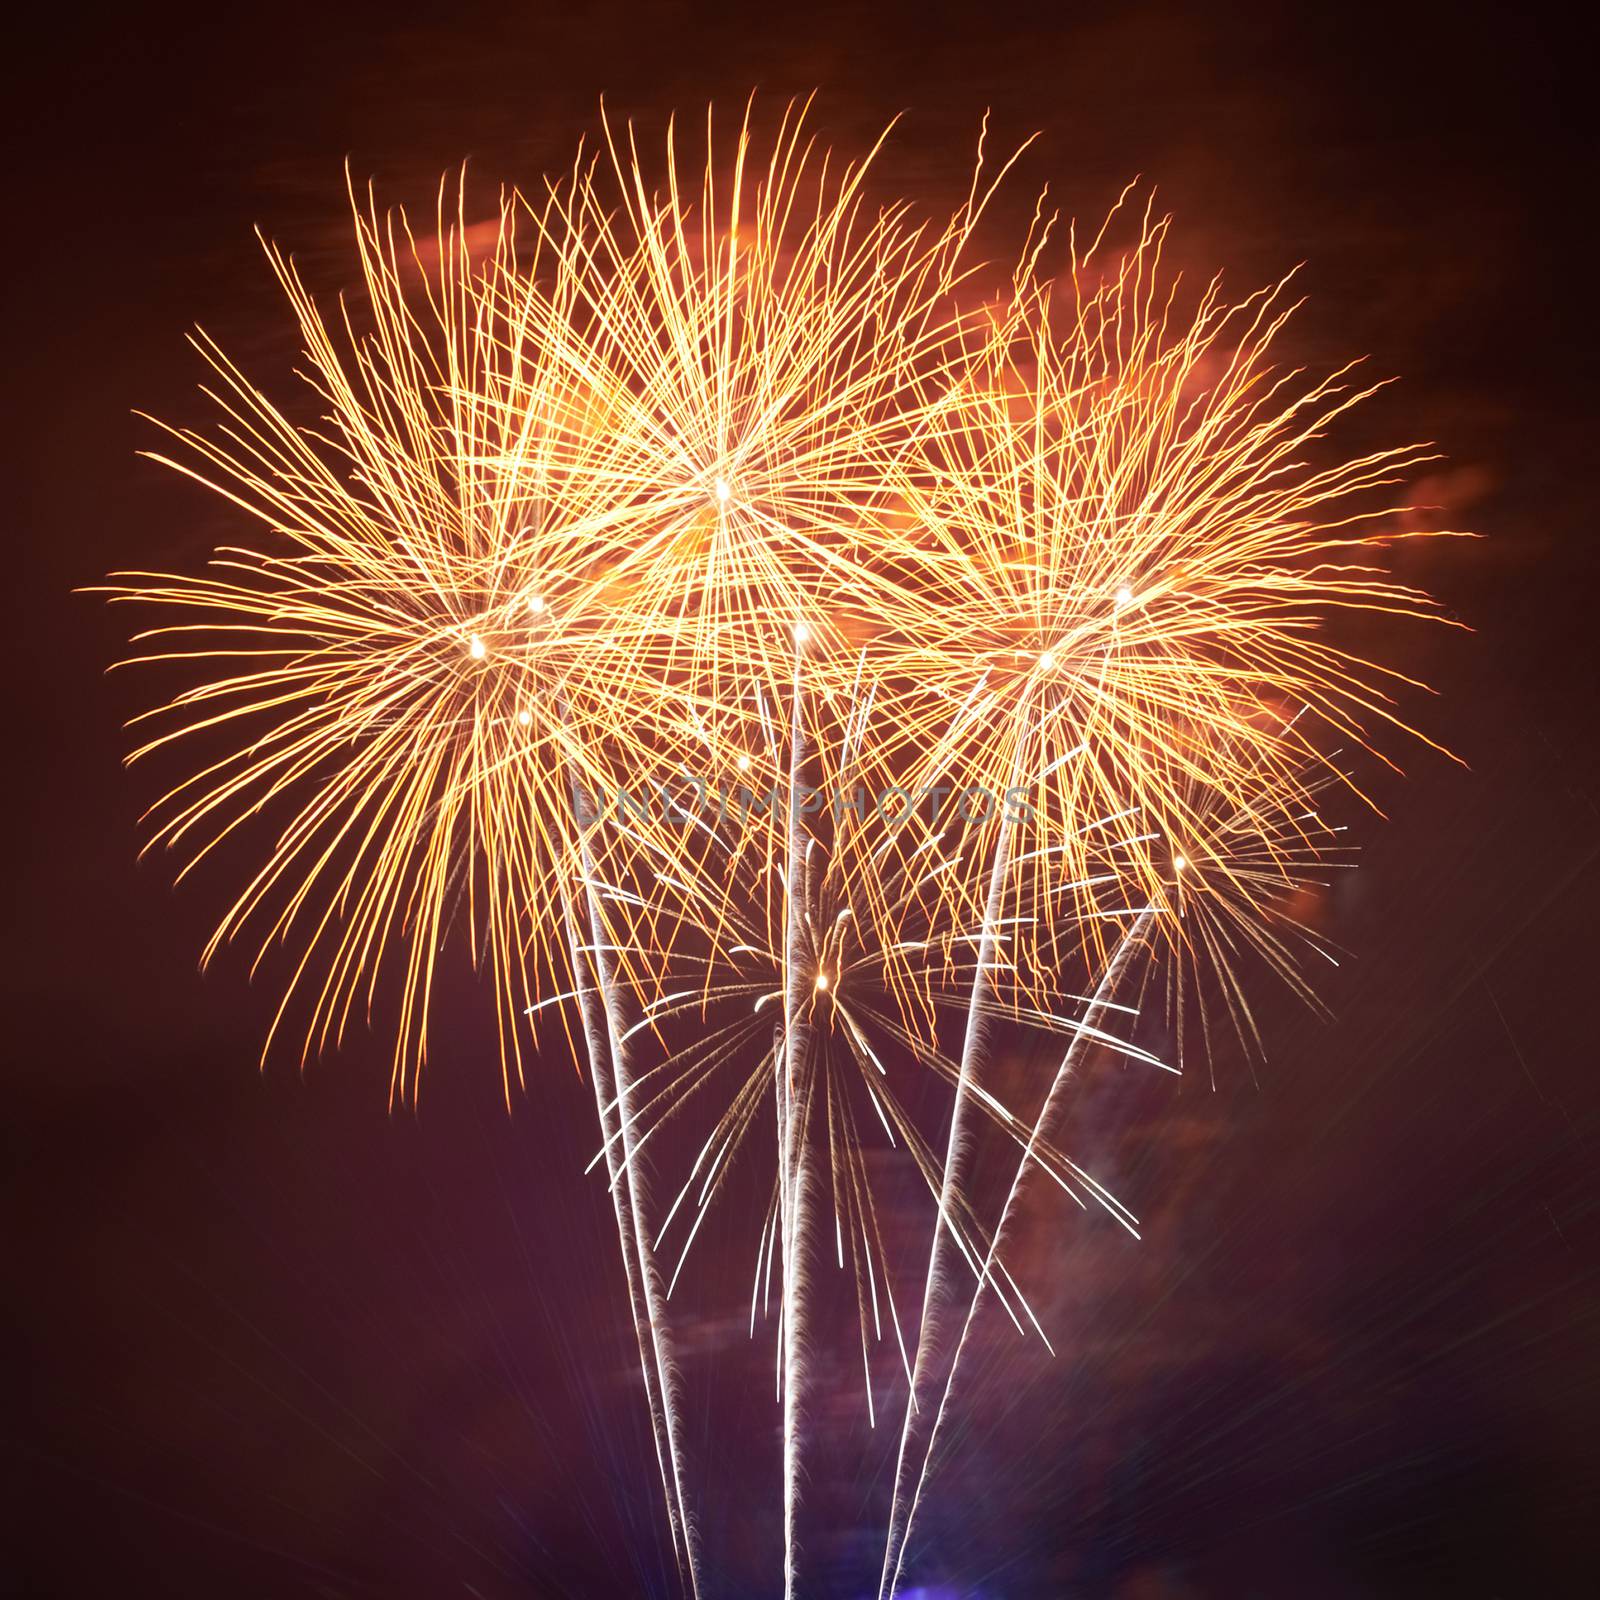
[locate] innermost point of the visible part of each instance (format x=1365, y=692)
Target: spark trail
x=909, y=1484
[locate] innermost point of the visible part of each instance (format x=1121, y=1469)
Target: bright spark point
x=524, y=717
x=536, y=604
x=744, y=763
x=1124, y=597
x=1180, y=862
x=723, y=491
x=477, y=649
x=801, y=633
x=822, y=980
x=1047, y=660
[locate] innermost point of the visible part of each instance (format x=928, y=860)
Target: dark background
x=265, y=1338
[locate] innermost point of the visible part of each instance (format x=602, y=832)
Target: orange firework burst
x=741, y=475
x=387, y=677
x=1133, y=557
x=413, y=681
x=1128, y=558
x=750, y=345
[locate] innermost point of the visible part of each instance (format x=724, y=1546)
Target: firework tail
x=899, y=1539
x=794, y=1104
x=936, y=1289
x=608, y=1071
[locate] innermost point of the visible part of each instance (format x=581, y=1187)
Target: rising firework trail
x=834, y=922
x=916, y=1471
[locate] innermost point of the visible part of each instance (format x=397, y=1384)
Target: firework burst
x=738, y=471
x=413, y=678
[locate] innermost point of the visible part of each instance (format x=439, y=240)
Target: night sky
x=266, y=1337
